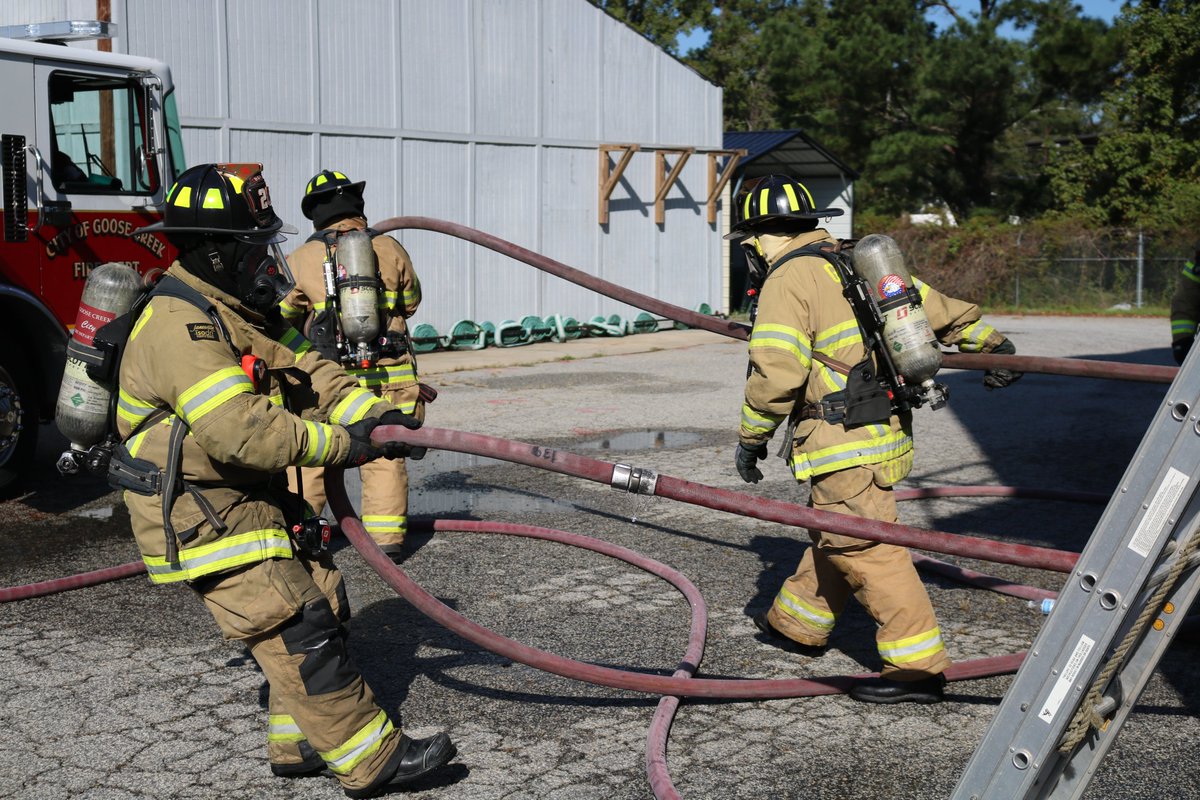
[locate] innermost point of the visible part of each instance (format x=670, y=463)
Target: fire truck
x=89, y=144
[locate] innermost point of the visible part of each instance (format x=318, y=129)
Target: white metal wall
x=483, y=112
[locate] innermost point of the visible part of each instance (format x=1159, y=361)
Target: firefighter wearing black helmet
x=335, y=205
x=213, y=408
x=804, y=335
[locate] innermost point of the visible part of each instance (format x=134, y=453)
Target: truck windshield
x=97, y=136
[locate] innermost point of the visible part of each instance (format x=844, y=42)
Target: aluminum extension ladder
x=1114, y=618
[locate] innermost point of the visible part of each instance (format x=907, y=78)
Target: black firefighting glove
x=400, y=449
x=362, y=449
x=999, y=378
x=1180, y=348
x=746, y=458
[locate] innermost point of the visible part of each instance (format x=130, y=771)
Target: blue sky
x=1106, y=10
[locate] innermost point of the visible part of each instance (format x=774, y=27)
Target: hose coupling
x=634, y=479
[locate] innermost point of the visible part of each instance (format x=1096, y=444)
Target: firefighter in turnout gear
x=805, y=334
x=213, y=408
x=335, y=206
x=1185, y=308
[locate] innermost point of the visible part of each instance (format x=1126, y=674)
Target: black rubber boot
x=310, y=767
x=885, y=690
x=774, y=637
x=413, y=759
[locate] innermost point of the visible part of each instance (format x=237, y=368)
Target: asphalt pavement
x=126, y=690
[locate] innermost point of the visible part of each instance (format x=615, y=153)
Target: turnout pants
x=384, y=482
x=292, y=615
x=880, y=576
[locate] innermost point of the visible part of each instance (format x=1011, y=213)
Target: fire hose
x=682, y=682
x=1076, y=367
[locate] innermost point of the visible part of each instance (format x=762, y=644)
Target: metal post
x=1141, y=263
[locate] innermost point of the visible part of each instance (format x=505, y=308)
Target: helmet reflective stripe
x=213, y=199
x=183, y=196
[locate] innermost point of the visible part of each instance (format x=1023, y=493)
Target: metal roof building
x=798, y=155
x=543, y=122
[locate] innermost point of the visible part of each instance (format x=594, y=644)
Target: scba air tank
x=906, y=330
x=357, y=286
x=82, y=410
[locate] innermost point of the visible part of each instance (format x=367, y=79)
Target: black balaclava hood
x=213, y=261
x=338, y=206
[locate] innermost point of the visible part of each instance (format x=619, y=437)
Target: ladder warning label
x=1066, y=679
x=1158, y=512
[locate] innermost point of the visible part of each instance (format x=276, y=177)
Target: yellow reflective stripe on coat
x=760, y=423
x=211, y=393
x=973, y=336
x=147, y=312
x=283, y=728
x=295, y=341
x=912, y=648
x=801, y=611
x=378, y=377
x=318, y=441
x=836, y=337
x=412, y=296
x=377, y=524
x=132, y=410
x=134, y=443
x=353, y=407
x=225, y=553
x=851, y=454
x=289, y=311
x=388, y=299
x=782, y=337
x=1189, y=272
x=1182, y=327
x=362, y=745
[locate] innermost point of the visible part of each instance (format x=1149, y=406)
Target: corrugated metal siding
x=437, y=183
x=506, y=68
x=435, y=65
x=483, y=112
x=360, y=67
x=569, y=230
x=570, y=107
x=630, y=96
x=505, y=194
x=271, y=69
x=203, y=145
x=170, y=32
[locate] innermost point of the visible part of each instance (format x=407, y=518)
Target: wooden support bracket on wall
x=663, y=180
x=716, y=184
x=610, y=177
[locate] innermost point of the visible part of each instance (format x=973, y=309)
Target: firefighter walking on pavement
x=329, y=304
x=212, y=409
x=1185, y=307
x=813, y=377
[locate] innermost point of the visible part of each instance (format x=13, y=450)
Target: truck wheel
x=18, y=423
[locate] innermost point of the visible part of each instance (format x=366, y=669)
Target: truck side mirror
x=16, y=197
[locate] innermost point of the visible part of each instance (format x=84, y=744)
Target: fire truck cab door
x=101, y=167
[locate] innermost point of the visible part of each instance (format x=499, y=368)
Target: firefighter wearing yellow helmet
x=387, y=291
x=212, y=410
x=805, y=348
